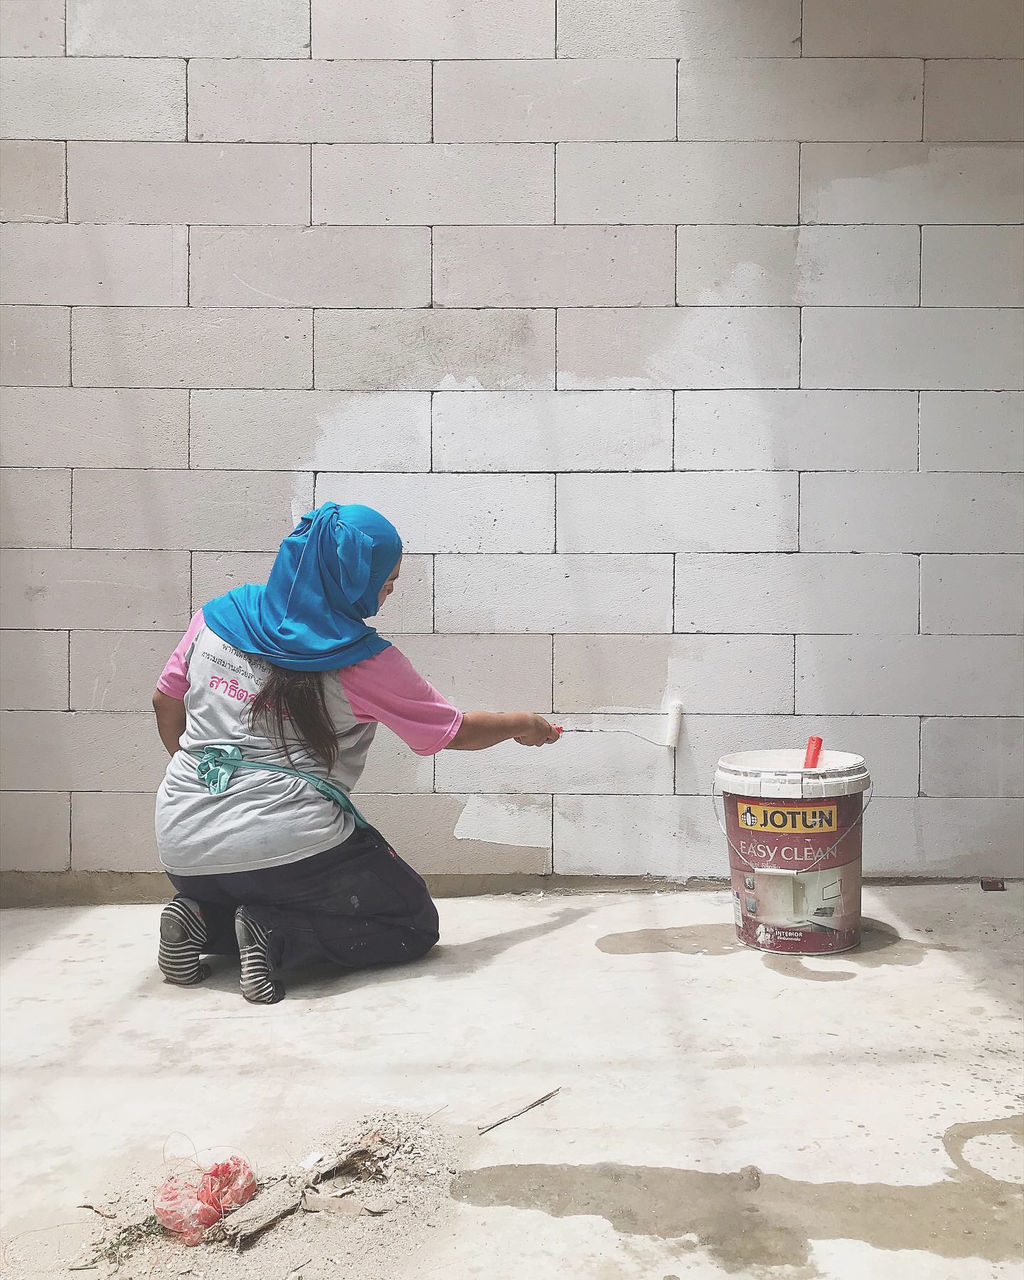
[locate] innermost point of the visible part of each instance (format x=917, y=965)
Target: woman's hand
x=539, y=732
x=482, y=729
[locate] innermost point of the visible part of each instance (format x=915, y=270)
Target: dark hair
x=297, y=696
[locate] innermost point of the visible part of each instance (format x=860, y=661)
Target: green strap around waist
x=217, y=764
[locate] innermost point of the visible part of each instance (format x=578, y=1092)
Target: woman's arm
x=170, y=720
x=173, y=685
x=388, y=689
x=482, y=729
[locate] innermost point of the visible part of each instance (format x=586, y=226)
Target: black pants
x=355, y=905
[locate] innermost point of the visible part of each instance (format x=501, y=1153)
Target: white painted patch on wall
x=504, y=820
x=744, y=279
x=451, y=383
x=607, y=724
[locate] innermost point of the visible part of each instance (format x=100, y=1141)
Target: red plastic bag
x=188, y=1208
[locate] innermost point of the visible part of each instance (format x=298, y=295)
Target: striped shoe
x=182, y=938
x=254, y=955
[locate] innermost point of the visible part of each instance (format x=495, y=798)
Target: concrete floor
x=722, y=1113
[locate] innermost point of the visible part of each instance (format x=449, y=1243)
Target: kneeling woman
x=268, y=707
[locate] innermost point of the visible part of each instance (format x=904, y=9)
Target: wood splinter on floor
x=102, y=1212
x=369, y=1161
x=482, y=1129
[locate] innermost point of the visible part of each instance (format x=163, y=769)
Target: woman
x=268, y=707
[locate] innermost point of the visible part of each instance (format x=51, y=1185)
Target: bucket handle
x=870, y=794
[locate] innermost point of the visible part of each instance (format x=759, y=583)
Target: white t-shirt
x=268, y=819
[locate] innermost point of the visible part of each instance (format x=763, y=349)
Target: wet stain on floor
x=752, y=1219
x=957, y=1136
x=688, y=940
x=881, y=946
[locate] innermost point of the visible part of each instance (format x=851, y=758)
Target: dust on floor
x=361, y=1224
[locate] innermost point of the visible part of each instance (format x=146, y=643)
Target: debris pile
x=332, y=1184
x=353, y=1206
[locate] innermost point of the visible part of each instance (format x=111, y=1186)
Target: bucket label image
x=794, y=857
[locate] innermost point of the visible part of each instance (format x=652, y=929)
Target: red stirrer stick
x=813, y=752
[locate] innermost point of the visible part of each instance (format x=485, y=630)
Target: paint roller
x=673, y=728
x=675, y=724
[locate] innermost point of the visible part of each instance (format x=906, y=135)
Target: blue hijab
x=326, y=579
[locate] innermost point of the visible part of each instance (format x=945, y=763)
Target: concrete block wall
x=682, y=342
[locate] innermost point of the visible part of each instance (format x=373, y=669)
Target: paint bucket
x=794, y=848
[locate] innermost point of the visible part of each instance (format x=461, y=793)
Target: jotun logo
x=762, y=817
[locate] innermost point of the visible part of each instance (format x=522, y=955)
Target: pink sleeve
x=174, y=677
x=388, y=689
